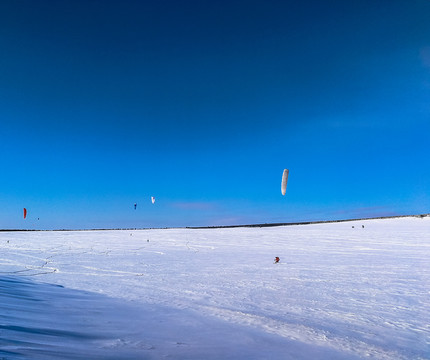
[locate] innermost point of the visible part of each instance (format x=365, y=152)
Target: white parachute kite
x=284, y=181
x=152, y=199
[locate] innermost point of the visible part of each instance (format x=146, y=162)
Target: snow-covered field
x=340, y=291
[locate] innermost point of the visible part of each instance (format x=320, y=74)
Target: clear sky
x=202, y=104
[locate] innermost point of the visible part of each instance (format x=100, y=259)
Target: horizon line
x=230, y=226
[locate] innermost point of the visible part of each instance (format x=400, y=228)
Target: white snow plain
x=340, y=291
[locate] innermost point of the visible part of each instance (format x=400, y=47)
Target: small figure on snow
x=276, y=260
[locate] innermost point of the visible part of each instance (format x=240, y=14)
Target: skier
x=276, y=260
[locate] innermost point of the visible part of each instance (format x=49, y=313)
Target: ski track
x=363, y=292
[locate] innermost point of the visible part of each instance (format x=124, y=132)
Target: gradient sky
x=202, y=104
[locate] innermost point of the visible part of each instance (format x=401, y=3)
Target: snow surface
x=340, y=291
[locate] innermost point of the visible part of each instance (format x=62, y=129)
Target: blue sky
x=202, y=104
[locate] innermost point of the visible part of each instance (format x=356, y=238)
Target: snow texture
x=350, y=290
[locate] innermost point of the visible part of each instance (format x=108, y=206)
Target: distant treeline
x=302, y=222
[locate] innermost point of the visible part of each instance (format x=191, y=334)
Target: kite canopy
x=152, y=199
x=284, y=181
x=25, y=213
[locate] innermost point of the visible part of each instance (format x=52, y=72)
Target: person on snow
x=277, y=259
